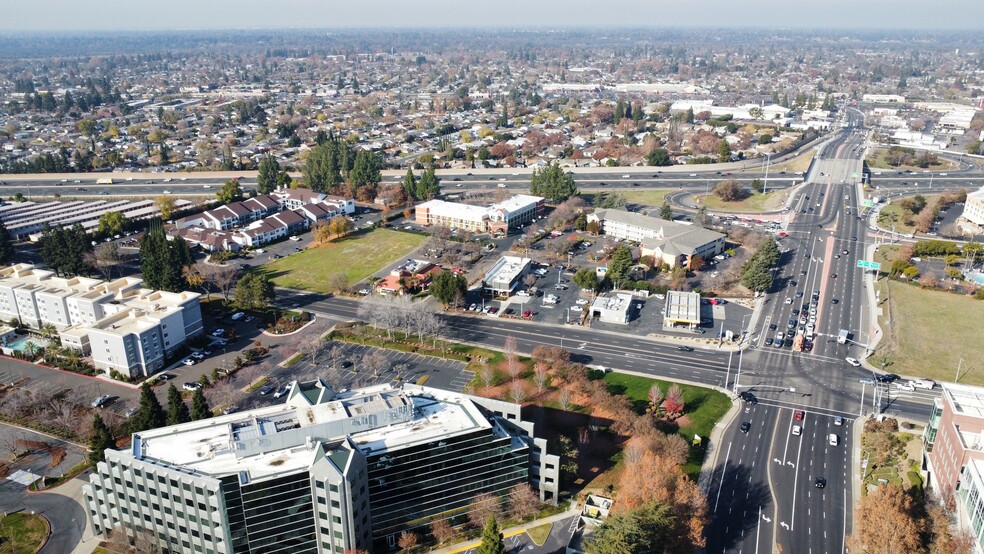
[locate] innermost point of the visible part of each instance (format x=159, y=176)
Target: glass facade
x=934, y=425
x=969, y=494
x=411, y=487
x=275, y=516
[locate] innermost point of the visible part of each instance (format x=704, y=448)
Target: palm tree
x=48, y=331
x=31, y=349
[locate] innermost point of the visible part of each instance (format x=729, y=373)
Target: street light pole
x=738, y=375
x=768, y=158
x=727, y=375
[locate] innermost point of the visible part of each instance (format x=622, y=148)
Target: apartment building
x=294, y=198
x=667, y=241
x=499, y=217
x=326, y=471
x=125, y=327
x=230, y=216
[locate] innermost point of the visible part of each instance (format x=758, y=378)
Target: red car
x=528, y=313
x=798, y=415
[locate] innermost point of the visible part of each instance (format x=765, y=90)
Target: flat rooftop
x=506, y=269
x=965, y=399
x=277, y=439
x=682, y=307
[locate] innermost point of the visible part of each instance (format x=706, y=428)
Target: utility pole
x=765, y=185
x=957, y=377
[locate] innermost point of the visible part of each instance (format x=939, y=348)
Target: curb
x=314, y=319
x=47, y=536
x=94, y=377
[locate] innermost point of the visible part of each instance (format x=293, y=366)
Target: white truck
x=842, y=336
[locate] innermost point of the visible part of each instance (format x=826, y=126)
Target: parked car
x=282, y=391
x=192, y=386
x=237, y=316
x=266, y=389
x=100, y=401
x=188, y=361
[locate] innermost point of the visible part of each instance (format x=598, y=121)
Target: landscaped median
x=23, y=532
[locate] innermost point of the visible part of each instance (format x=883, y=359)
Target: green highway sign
x=855, y=174
x=867, y=203
x=868, y=265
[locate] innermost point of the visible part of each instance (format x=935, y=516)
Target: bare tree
x=408, y=541
x=485, y=372
x=540, y=376
x=564, y=398
x=529, y=279
x=523, y=501
x=104, y=258
x=512, y=358
x=482, y=507
x=375, y=362
x=517, y=392
x=224, y=278
x=337, y=282
x=442, y=531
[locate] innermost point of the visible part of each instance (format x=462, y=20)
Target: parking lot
x=355, y=366
x=555, y=299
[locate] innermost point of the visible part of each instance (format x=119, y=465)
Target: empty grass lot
x=357, y=256
x=650, y=197
x=877, y=161
x=797, y=164
x=930, y=332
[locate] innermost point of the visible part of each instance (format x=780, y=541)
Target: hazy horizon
x=866, y=15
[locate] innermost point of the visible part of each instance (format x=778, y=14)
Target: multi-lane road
x=762, y=492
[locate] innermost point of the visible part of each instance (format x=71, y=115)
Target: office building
x=973, y=210
x=324, y=472
x=505, y=275
x=953, y=454
x=668, y=242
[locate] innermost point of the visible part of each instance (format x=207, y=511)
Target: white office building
x=505, y=275
x=511, y=213
x=324, y=472
x=973, y=211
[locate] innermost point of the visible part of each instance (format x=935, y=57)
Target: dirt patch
x=4, y=471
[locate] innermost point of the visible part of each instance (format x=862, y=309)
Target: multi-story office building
x=953, y=454
x=125, y=327
x=667, y=241
x=323, y=472
x=973, y=210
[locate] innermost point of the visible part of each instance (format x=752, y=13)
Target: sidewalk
x=506, y=533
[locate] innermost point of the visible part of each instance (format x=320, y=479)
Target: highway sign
x=855, y=174
x=869, y=265
x=867, y=203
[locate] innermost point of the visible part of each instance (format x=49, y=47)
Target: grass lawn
x=645, y=197
x=704, y=408
x=797, y=164
x=930, y=332
x=21, y=532
x=877, y=161
x=893, y=213
x=540, y=533
x=755, y=203
x=357, y=256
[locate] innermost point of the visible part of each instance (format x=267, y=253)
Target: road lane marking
x=723, y=471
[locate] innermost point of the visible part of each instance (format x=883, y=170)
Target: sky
x=89, y=15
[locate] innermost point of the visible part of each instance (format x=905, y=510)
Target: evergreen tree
x=410, y=185
x=199, y=406
x=177, y=410
x=365, y=171
x=100, y=439
x=266, y=179
x=230, y=192
x=659, y=157
x=151, y=414
x=6, y=246
x=491, y=538
x=553, y=183
x=253, y=291
x=666, y=211
x=429, y=185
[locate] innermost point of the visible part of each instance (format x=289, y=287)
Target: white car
x=295, y=238
x=581, y=302
x=797, y=430
x=853, y=362
x=576, y=308
x=188, y=361
x=237, y=316
x=905, y=386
